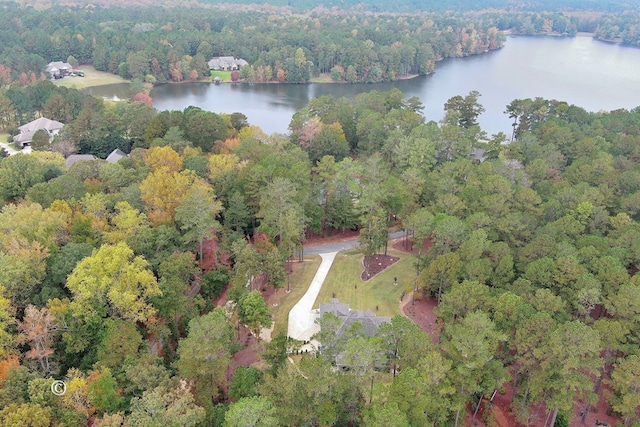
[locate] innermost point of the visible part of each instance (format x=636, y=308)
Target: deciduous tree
x=115, y=282
x=253, y=312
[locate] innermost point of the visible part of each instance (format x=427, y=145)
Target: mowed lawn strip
x=92, y=77
x=225, y=76
x=344, y=281
x=301, y=277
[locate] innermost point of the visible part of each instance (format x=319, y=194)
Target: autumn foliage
x=143, y=97
x=11, y=362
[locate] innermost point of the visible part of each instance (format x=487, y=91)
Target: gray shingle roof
x=26, y=131
x=368, y=318
x=77, y=157
x=115, y=156
x=58, y=66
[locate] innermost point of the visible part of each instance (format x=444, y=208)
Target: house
x=478, y=155
x=115, y=156
x=369, y=321
x=226, y=63
x=58, y=69
x=367, y=318
x=26, y=131
x=78, y=157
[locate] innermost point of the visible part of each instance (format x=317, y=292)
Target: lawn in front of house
x=4, y=137
x=301, y=277
x=225, y=76
x=344, y=282
x=92, y=77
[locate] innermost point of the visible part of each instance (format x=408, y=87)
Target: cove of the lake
x=581, y=71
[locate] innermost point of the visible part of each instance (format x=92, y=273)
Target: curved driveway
x=302, y=317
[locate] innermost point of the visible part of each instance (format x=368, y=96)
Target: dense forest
x=158, y=45
x=111, y=273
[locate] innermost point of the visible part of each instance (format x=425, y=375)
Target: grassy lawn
x=322, y=78
x=344, y=281
x=4, y=137
x=225, y=76
x=92, y=77
x=301, y=277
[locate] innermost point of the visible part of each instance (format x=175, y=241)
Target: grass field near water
x=344, y=281
x=92, y=77
x=225, y=76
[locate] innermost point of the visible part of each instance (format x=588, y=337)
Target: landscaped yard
x=225, y=76
x=4, y=137
x=344, y=282
x=92, y=77
x=301, y=277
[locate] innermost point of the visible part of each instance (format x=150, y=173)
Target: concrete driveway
x=302, y=316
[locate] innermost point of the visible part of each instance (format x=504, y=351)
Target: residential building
x=226, y=63
x=78, y=157
x=26, y=131
x=58, y=69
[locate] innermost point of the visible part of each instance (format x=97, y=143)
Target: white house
x=226, y=63
x=26, y=131
x=58, y=69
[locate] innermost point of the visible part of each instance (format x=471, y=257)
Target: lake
x=582, y=71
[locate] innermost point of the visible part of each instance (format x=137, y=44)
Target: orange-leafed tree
x=11, y=362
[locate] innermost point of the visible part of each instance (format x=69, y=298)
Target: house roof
x=367, y=318
x=78, y=157
x=478, y=155
x=115, y=156
x=26, y=131
x=226, y=61
x=57, y=66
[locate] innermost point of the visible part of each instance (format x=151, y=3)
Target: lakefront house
x=226, y=63
x=58, y=69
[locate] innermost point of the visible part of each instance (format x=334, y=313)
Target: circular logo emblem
x=58, y=387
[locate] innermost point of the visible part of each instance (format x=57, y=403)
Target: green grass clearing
x=322, y=78
x=225, y=76
x=301, y=277
x=344, y=281
x=4, y=137
x=92, y=77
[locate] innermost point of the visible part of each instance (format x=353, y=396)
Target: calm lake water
x=591, y=74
